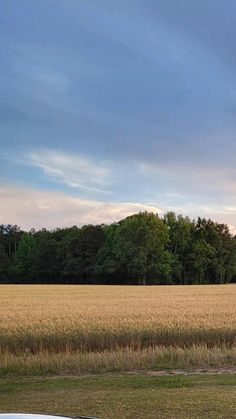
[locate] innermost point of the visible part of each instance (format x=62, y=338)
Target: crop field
x=75, y=328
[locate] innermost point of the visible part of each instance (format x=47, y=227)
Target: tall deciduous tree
x=140, y=247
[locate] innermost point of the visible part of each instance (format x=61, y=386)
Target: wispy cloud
x=29, y=208
x=75, y=171
x=197, y=177
x=178, y=181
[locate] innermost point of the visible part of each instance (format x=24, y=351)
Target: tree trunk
x=145, y=279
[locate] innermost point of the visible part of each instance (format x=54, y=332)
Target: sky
x=108, y=108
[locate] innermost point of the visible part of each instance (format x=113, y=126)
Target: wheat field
x=83, y=326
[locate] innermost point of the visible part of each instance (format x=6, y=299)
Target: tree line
x=140, y=249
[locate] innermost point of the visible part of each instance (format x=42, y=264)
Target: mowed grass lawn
x=123, y=396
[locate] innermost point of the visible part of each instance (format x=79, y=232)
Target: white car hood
x=28, y=416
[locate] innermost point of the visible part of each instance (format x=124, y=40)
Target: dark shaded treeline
x=141, y=249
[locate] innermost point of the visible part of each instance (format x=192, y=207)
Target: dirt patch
x=159, y=373
x=197, y=371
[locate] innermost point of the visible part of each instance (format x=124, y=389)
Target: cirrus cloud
x=76, y=171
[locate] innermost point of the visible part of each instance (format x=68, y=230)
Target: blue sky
x=108, y=108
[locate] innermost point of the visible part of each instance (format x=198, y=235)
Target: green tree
x=82, y=251
x=4, y=263
x=180, y=243
x=25, y=260
x=202, y=256
x=139, y=247
x=108, y=267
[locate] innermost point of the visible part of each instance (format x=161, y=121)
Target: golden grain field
x=77, y=319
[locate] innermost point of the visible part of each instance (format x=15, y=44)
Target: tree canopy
x=140, y=249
